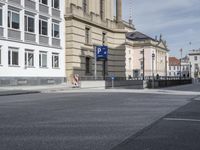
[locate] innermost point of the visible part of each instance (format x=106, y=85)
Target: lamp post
x=143, y=67
x=181, y=50
x=153, y=56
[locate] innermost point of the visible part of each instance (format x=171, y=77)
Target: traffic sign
x=101, y=52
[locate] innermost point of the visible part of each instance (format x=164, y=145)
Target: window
x=88, y=65
x=141, y=64
x=169, y=67
x=104, y=40
x=174, y=67
x=56, y=4
x=29, y=22
x=13, y=19
x=129, y=63
x=1, y=17
x=170, y=73
x=43, y=59
x=102, y=14
x=13, y=57
x=29, y=58
x=43, y=27
x=0, y=55
x=55, y=30
x=87, y=35
x=55, y=60
x=85, y=6
x=45, y=2
x=196, y=66
x=195, y=58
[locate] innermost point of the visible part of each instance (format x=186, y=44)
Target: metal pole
x=181, y=65
x=153, y=55
x=104, y=69
x=95, y=64
x=143, y=65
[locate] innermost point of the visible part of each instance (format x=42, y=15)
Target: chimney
x=118, y=11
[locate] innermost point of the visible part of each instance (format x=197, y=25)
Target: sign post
x=101, y=54
x=113, y=78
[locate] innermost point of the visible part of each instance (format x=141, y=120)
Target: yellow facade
x=78, y=50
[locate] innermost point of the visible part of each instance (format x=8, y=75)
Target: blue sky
x=177, y=20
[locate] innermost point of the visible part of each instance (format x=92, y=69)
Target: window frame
x=53, y=61
x=87, y=35
x=0, y=55
x=26, y=22
x=1, y=25
x=41, y=65
x=53, y=31
x=53, y=4
x=41, y=2
x=85, y=6
x=195, y=58
x=40, y=28
x=10, y=57
x=88, y=65
x=102, y=9
x=26, y=62
x=11, y=19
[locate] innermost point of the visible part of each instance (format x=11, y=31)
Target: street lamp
x=143, y=67
x=153, y=56
x=181, y=50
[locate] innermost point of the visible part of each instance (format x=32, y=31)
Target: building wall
x=77, y=49
x=22, y=40
x=195, y=71
x=159, y=65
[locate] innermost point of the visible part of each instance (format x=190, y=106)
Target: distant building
x=185, y=67
x=174, y=67
x=179, y=67
x=155, y=55
x=194, y=56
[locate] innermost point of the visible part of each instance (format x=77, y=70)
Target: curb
x=9, y=93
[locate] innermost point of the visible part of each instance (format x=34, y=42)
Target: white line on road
x=182, y=119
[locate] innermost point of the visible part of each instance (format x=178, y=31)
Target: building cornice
x=94, y=24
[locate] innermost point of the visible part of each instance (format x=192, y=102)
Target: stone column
x=118, y=10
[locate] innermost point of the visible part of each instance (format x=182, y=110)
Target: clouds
x=177, y=20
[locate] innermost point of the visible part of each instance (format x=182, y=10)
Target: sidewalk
x=17, y=90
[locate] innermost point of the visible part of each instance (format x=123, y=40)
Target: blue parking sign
x=102, y=52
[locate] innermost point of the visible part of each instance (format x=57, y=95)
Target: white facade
x=153, y=66
x=176, y=69
x=194, y=56
x=32, y=43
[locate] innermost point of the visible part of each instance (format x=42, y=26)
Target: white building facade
x=32, y=42
x=179, y=67
x=145, y=56
x=194, y=56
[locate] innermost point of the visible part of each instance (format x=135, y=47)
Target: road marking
x=182, y=119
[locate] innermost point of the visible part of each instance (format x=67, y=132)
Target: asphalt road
x=179, y=130
x=79, y=121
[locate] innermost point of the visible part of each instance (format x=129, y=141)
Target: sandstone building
x=91, y=23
